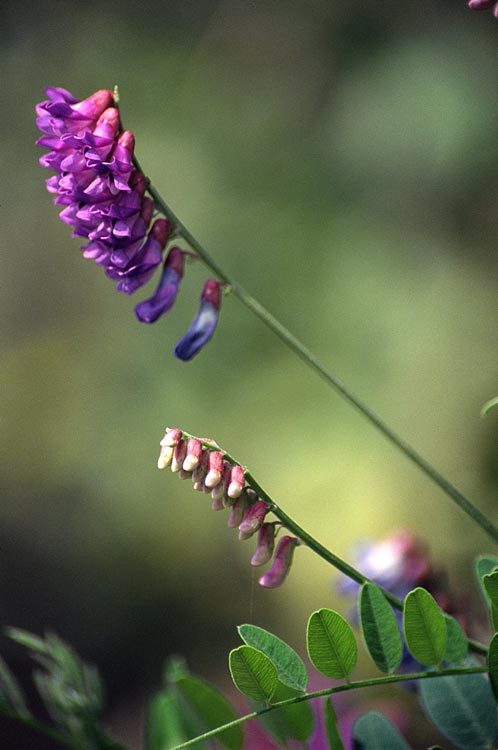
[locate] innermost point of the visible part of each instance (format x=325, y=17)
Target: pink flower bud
x=277, y=574
x=237, y=511
x=200, y=471
x=95, y=104
x=253, y=519
x=185, y=474
x=179, y=454
x=194, y=454
x=237, y=482
x=172, y=437
x=266, y=543
x=165, y=457
x=218, y=492
x=215, y=469
x=108, y=123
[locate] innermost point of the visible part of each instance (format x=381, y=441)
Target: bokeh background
x=340, y=160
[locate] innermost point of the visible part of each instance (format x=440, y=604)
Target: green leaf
x=489, y=405
x=289, y=722
x=333, y=736
x=463, y=708
x=11, y=691
x=457, y=646
x=483, y=565
x=380, y=628
x=35, y=644
x=490, y=583
x=164, y=726
x=290, y=667
x=373, y=731
x=424, y=626
x=331, y=644
x=493, y=664
x=253, y=673
x=210, y=710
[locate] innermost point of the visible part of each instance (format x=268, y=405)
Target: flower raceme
x=210, y=470
x=103, y=199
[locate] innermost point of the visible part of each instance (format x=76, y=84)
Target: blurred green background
x=340, y=160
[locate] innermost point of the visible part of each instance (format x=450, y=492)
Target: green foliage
x=457, y=645
x=208, y=709
x=331, y=644
x=373, y=731
x=253, y=673
x=490, y=583
x=424, y=626
x=70, y=689
x=290, y=667
x=293, y=722
x=164, y=726
x=485, y=565
x=11, y=692
x=489, y=405
x=380, y=628
x=463, y=708
x=493, y=664
x=333, y=736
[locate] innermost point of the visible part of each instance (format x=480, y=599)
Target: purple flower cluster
x=211, y=472
x=103, y=199
x=400, y=563
x=484, y=5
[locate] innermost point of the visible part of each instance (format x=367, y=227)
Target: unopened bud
x=179, y=453
x=172, y=436
x=194, y=454
x=237, y=482
x=217, y=504
x=282, y=561
x=219, y=491
x=165, y=457
x=215, y=469
x=200, y=471
x=253, y=519
x=266, y=543
x=185, y=474
x=237, y=512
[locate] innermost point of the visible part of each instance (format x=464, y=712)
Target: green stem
x=374, y=682
x=314, y=544
x=309, y=358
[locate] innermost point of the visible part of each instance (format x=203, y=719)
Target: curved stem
x=311, y=360
x=374, y=682
x=314, y=544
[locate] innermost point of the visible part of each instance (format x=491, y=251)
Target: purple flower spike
x=282, y=562
x=203, y=325
x=164, y=297
x=483, y=5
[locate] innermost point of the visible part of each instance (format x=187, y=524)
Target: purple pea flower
x=282, y=562
x=163, y=298
x=204, y=324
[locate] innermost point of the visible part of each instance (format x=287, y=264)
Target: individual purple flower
x=204, y=324
x=484, y=5
x=282, y=562
x=266, y=543
x=253, y=519
x=164, y=297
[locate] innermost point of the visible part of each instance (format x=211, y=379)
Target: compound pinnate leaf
x=373, y=731
x=424, y=626
x=457, y=645
x=331, y=644
x=493, y=664
x=463, y=708
x=208, y=709
x=290, y=667
x=253, y=673
x=380, y=628
x=331, y=728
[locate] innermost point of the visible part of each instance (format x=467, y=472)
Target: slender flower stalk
x=312, y=361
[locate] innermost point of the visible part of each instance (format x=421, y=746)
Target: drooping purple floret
x=203, y=325
x=164, y=297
